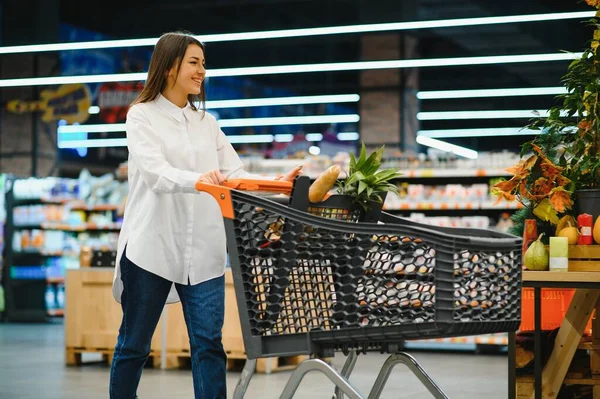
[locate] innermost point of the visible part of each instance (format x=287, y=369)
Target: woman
x=172, y=243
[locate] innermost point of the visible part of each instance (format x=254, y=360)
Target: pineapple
x=365, y=183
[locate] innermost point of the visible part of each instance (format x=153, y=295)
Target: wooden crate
x=583, y=372
x=177, y=335
x=178, y=347
x=525, y=387
x=92, y=316
x=584, y=258
x=236, y=362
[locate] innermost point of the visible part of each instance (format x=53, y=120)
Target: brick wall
x=388, y=104
x=16, y=130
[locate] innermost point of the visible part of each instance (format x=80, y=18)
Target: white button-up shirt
x=169, y=228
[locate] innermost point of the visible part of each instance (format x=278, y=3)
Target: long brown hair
x=170, y=49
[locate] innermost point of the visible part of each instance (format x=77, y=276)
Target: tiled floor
x=32, y=366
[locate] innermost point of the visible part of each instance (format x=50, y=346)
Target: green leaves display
x=365, y=181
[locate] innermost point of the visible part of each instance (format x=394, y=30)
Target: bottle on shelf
x=50, y=297
x=60, y=296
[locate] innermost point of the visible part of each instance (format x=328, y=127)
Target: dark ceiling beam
x=551, y=32
x=496, y=35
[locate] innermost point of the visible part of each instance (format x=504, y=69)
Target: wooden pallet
x=583, y=374
x=73, y=356
x=236, y=361
x=584, y=258
x=583, y=386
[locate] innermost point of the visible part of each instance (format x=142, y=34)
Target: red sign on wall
x=115, y=98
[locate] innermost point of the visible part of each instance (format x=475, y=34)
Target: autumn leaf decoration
x=593, y=3
x=536, y=181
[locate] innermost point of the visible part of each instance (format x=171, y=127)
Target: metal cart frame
x=309, y=285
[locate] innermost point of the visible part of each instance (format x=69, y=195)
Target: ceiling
x=136, y=18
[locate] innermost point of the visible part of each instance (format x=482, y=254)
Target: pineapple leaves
x=366, y=182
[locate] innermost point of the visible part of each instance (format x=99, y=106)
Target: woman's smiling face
x=191, y=72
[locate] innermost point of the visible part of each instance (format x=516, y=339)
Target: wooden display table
x=93, y=317
x=548, y=382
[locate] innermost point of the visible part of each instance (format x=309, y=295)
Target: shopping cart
x=312, y=285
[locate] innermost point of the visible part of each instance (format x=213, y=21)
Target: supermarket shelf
x=56, y=312
x=83, y=227
x=483, y=205
x=458, y=343
x=43, y=200
x=433, y=173
x=42, y=253
x=95, y=208
x=110, y=226
x=67, y=227
x=492, y=339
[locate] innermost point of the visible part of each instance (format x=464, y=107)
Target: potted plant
x=563, y=174
x=577, y=123
x=539, y=184
x=366, y=184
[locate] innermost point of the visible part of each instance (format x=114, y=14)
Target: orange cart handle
x=222, y=193
x=273, y=186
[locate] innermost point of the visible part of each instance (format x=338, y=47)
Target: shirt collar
x=173, y=110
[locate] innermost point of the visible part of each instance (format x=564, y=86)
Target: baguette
x=325, y=182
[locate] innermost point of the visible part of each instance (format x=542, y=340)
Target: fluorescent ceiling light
x=95, y=143
x=332, y=30
x=289, y=120
x=254, y=138
x=270, y=101
x=99, y=128
x=92, y=143
x=494, y=114
x=297, y=100
x=284, y=138
x=314, y=150
x=234, y=139
x=304, y=68
x=485, y=132
x=513, y=92
x=59, y=80
x=241, y=122
x=348, y=136
x=313, y=137
x=444, y=146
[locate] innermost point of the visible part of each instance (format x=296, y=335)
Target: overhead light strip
x=444, y=146
x=304, y=32
x=304, y=68
x=493, y=114
x=224, y=123
x=289, y=120
x=234, y=139
x=270, y=101
x=478, y=93
x=475, y=132
x=100, y=143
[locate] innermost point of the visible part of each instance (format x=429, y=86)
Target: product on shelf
x=48, y=220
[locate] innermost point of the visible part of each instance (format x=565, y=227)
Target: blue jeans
x=144, y=296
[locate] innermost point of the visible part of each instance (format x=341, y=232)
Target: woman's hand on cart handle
x=212, y=177
x=291, y=175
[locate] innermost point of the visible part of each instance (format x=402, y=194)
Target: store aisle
x=32, y=366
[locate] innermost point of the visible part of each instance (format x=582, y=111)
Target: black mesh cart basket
x=312, y=285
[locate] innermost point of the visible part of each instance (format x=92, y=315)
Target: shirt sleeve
x=229, y=162
x=145, y=149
